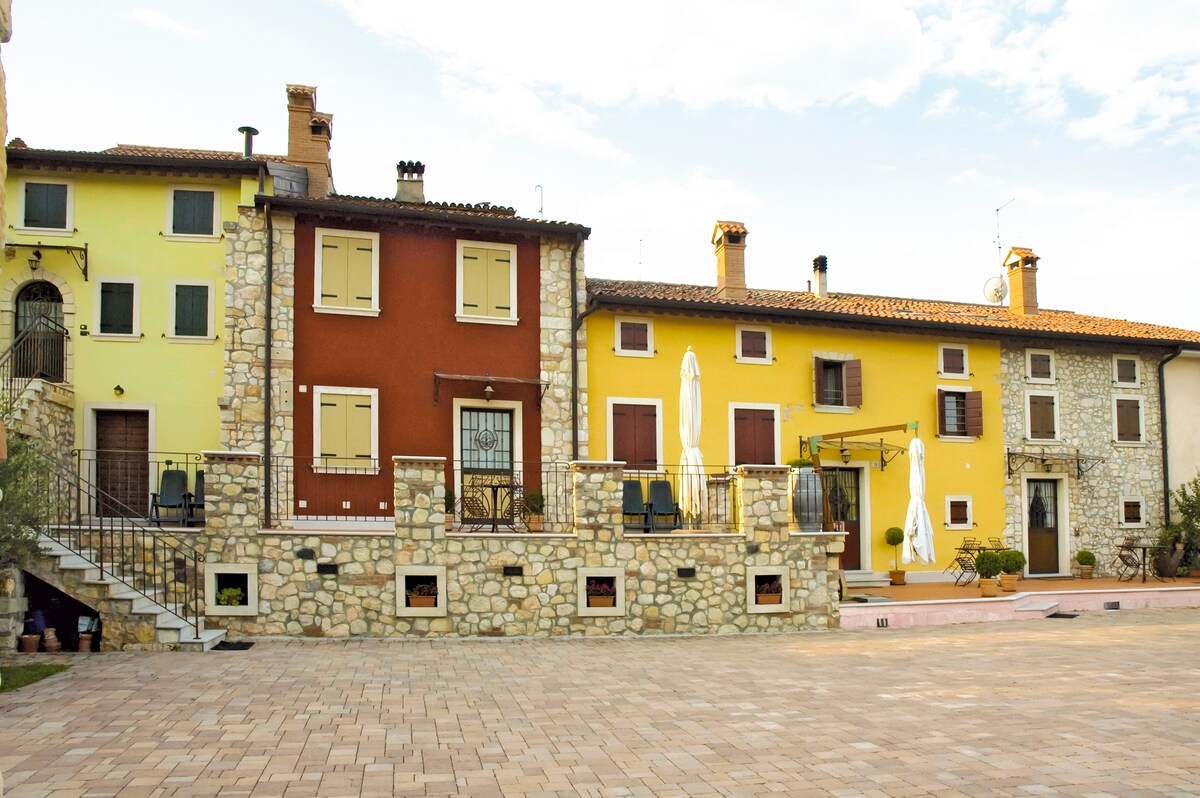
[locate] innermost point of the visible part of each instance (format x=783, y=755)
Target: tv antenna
x=999, y=248
x=541, y=201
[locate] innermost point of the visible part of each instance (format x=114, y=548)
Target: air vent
x=514, y=570
x=327, y=568
x=685, y=573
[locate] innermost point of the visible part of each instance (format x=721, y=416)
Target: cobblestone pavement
x=1101, y=704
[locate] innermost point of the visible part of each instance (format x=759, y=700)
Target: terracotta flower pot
x=29, y=643
x=1008, y=583
x=602, y=601
x=422, y=601
x=988, y=588
x=52, y=646
x=897, y=577
x=1086, y=571
x=85, y=641
x=768, y=598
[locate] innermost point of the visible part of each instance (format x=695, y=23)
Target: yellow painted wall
x=900, y=382
x=123, y=219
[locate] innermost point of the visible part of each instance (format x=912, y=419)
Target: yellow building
x=779, y=369
x=115, y=262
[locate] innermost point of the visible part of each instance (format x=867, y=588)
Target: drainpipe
x=575, y=324
x=1162, y=414
x=266, y=489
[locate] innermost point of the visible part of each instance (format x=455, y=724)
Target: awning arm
x=438, y=376
x=78, y=254
x=813, y=444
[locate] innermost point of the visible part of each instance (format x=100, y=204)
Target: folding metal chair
x=998, y=544
x=966, y=569
x=1127, y=564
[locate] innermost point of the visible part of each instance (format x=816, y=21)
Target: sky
x=884, y=135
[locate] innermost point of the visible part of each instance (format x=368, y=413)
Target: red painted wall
x=398, y=352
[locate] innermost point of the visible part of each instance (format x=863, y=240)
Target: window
x=345, y=429
x=487, y=283
x=1039, y=365
x=191, y=310
x=636, y=433
x=960, y=413
x=118, y=307
x=753, y=344
x=958, y=512
x=346, y=272
x=634, y=337
x=1132, y=513
x=838, y=383
x=952, y=361
x=193, y=212
x=1041, y=418
x=755, y=434
x=1125, y=371
x=1127, y=420
x=46, y=205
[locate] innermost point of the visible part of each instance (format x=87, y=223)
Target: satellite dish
x=994, y=290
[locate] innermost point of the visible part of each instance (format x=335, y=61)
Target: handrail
x=31, y=351
x=81, y=517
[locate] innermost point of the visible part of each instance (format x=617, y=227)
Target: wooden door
x=841, y=490
x=1041, y=515
x=753, y=436
x=123, y=461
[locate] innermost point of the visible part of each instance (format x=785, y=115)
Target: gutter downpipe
x=576, y=322
x=1162, y=412
x=267, y=409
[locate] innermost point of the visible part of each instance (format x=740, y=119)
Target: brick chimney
x=730, y=240
x=309, y=133
x=410, y=181
x=820, y=284
x=1021, y=265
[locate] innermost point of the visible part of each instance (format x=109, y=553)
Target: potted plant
x=449, y=509
x=894, y=536
x=987, y=565
x=1012, y=562
x=601, y=592
x=231, y=597
x=768, y=591
x=29, y=643
x=423, y=594
x=532, y=510
x=1087, y=563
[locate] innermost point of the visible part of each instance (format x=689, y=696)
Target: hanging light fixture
x=488, y=392
x=846, y=456
x=35, y=261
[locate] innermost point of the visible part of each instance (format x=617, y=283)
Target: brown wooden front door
x=123, y=461
x=753, y=436
x=1041, y=514
x=841, y=490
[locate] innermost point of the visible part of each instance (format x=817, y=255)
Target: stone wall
x=47, y=414
x=352, y=584
x=556, y=324
x=1085, y=388
x=13, y=605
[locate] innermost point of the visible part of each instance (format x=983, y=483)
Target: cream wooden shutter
x=335, y=252
x=474, y=281
x=359, y=274
x=333, y=427
x=499, y=294
x=358, y=428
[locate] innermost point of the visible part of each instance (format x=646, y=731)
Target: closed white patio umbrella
x=918, y=529
x=693, y=497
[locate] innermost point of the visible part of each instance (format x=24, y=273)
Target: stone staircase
x=134, y=619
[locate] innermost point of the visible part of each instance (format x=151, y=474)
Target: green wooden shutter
x=191, y=310
x=116, y=308
x=46, y=205
x=192, y=212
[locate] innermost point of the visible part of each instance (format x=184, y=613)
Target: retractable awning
x=439, y=377
x=853, y=440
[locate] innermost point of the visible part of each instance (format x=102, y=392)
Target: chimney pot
x=820, y=269
x=1021, y=265
x=309, y=135
x=248, y=146
x=410, y=181
x=730, y=241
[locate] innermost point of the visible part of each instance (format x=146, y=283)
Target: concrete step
x=1042, y=607
x=207, y=640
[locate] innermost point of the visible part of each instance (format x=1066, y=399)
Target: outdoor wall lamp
x=35, y=262
x=118, y=390
x=846, y=456
x=1047, y=466
x=488, y=392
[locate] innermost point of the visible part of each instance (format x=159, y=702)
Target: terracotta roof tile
x=143, y=150
x=732, y=227
x=483, y=209
x=881, y=310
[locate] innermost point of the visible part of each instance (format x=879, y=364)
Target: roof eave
x=447, y=218
x=17, y=156
x=726, y=308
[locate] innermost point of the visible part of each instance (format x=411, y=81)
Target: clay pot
x=769, y=598
x=1085, y=571
x=85, y=641
x=1008, y=583
x=29, y=643
x=989, y=588
x=422, y=601
x=897, y=577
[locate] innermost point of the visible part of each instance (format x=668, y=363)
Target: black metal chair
x=964, y=571
x=663, y=505
x=195, y=501
x=1127, y=563
x=172, y=495
x=998, y=544
x=634, y=506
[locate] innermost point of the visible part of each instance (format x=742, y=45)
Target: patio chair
x=195, y=501
x=634, y=506
x=1128, y=563
x=998, y=544
x=663, y=505
x=172, y=495
x=965, y=567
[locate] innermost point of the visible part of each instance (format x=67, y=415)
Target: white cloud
x=157, y=19
x=943, y=104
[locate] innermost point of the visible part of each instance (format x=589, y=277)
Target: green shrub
x=231, y=597
x=894, y=536
x=1186, y=505
x=1011, y=561
x=987, y=564
x=25, y=507
x=1085, y=557
x=535, y=503
x=449, y=501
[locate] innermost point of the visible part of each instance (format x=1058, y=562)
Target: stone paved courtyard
x=1102, y=704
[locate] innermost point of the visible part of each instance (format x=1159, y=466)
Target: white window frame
x=581, y=577
x=130, y=337
x=1137, y=374
x=318, y=251
x=1057, y=417
x=970, y=524
x=840, y=357
x=1029, y=367
x=761, y=361
x=249, y=570
x=169, y=233
x=618, y=321
x=966, y=372
x=1141, y=441
x=439, y=610
x=513, y=319
x=964, y=390
x=320, y=390
x=21, y=227
x=173, y=335
x=785, y=580
x=1121, y=512
x=657, y=404
x=733, y=408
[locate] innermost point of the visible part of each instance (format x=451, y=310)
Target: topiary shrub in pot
x=894, y=536
x=1012, y=562
x=987, y=565
x=1087, y=563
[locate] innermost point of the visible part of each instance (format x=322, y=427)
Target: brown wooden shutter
x=764, y=436
x=646, y=454
x=635, y=336
x=852, y=373
x=624, y=433
x=818, y=381
x=1041, y=417
x=754, y=344
x=941, y=412
x=1129, y=428
x=1039, y=366
x=958, y=512
x=1126, y=370
x=974, y=413
x=952, y=361
x=635, y=435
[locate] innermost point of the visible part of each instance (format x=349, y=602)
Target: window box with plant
x=601, y=592
x=533, y=509
x=423, y=594
x=894, y=536
x=987, y=565
x=1087, y=563
x=1012, y=563
x=768, y=591
x=231, y=597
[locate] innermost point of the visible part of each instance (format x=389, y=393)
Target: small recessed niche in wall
x=306, y=554
x=420, y=591
x=514, y=570
x=327, y=568
x=230, y=588
x=768, y=589
x=685, y=573
x=601, y=591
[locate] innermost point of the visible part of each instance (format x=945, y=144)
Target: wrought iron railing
x=131, y=476
x=113, y=537
x=327, y=489
x=38, y=352
x=505, y=499
x=661, y=493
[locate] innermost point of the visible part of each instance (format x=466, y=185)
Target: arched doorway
x=39, y=338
